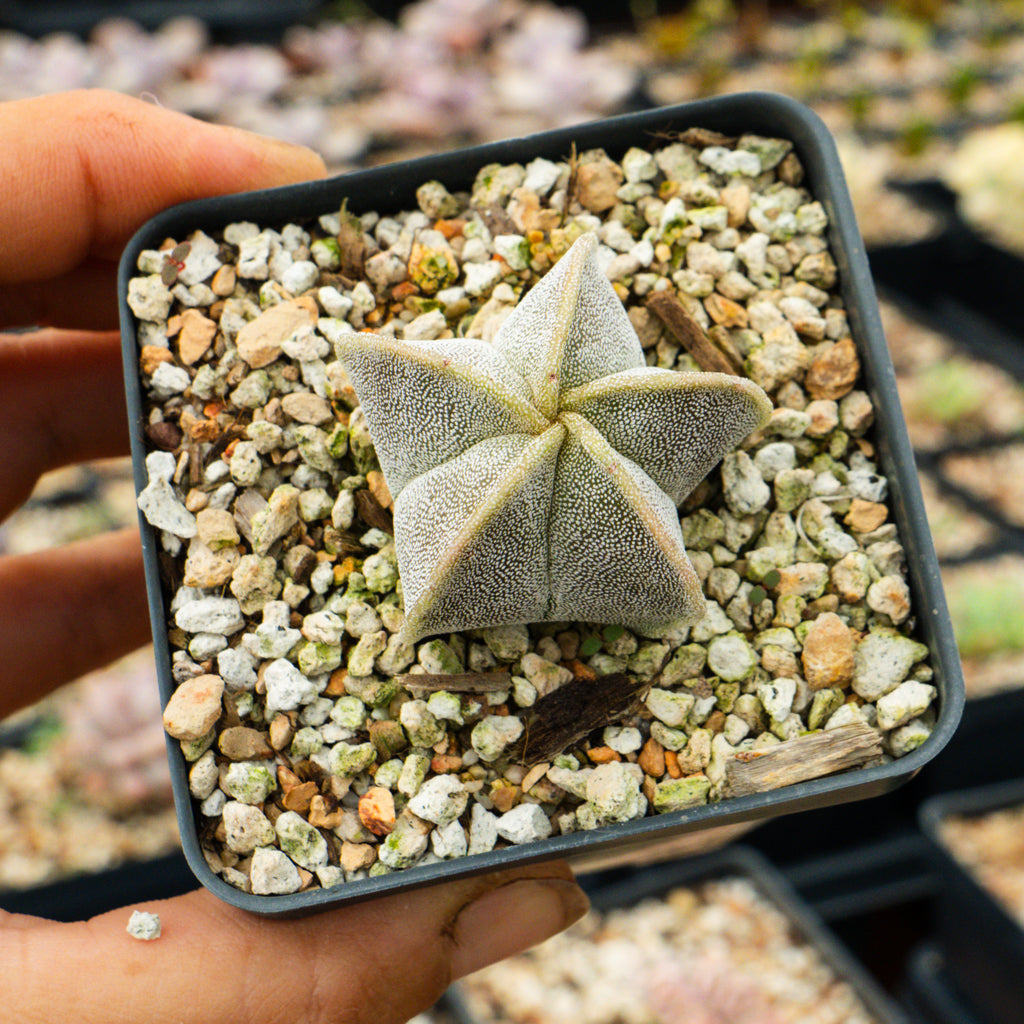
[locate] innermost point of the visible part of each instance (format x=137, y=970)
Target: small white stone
x=541, y=176
x=907, y=701
x=623, y=740
x=300, y=276
x=149, y=298
x=272, y=873
x=144, y=925
x=158, y=502
x=483, y=830
x=221, y=615
x=427, y=326
x=246, y=827
x=777, y=695
x=303, y=843
x=449, y=841
x=492, y=735
x=440, y=799
x=524, y=824
x=287, y=687
x=480, y=278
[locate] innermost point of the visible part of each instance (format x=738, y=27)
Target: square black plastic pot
x=744, y=863
x=981, y=941
x=931, y=995
x=392, y=188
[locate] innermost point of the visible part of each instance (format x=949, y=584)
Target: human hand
x=80, y=172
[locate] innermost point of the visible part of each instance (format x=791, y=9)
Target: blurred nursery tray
x=979, y=937
x=931, y=994
x=958, y=280
x=656, y=884
x=393, y=188
x=84, y=896
x=229, y=20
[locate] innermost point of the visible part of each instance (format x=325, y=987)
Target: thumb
x=381, y=961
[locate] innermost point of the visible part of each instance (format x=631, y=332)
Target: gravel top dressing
x=712, y=952
x=991, y=846
x=323, y=747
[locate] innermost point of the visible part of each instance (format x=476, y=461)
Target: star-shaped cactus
x=537, y=477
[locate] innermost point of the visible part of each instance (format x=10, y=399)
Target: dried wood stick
x=457, y=682
x=802, y=758
x=685, y=330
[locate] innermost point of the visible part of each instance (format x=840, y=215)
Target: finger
x=62, y=398
x=82, y=170
x=85, y=297
x=67, y=611
x=381, y=961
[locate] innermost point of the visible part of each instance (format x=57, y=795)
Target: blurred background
x=925, y=99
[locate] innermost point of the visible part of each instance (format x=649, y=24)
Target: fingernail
x=512, y=918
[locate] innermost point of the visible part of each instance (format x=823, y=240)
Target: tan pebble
x=442, y=764
x=725, y=311
x=890, y=596
x=824, y=414
x=259, y=341
x=715, y=721
x=778, y=662
x=828, y=653
x=336, y=684
x=602, y=755
x=216, y=528
x=865, y=516
x=299, y=798
x=282, y=731
x=377, y=810
x=196, y=500
x=223, y=282
x=286, y=778
x=206, y=568
x=504, y=796
x=322, y=813
x=736, y=199
x=652, y=758
x=597, y=185
x=197, y=333
x=151, y=357
x=194, y=707
x=802, y=579
x=379, y=488
x=528, y=215
x=241, y=743
x=357, y=856
x=833, y=373
x=307, y=407
x=533, y=776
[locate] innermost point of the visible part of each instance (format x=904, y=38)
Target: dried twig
x=685, y=330
x=802, y=758
x=457, y=682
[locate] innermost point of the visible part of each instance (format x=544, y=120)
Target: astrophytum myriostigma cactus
x=538, y=477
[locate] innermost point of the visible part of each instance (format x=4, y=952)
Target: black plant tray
x=392, y=188
x=982, y=943
x=958, y=279
x=83, y=896
x=229, y=20
x=930, y=994
x=742, y=862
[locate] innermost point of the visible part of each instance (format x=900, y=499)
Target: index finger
x=82, y=170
